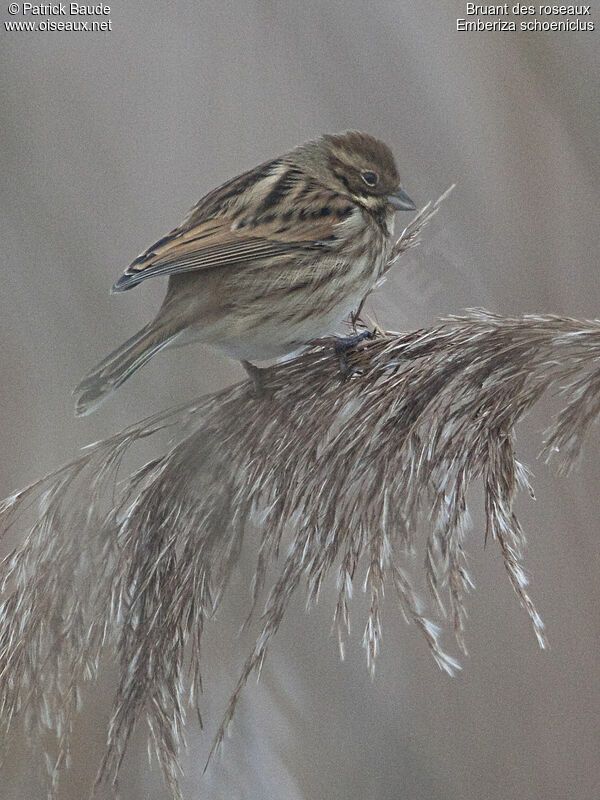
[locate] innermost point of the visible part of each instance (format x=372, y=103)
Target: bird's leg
x=355, y=315
x=257, y=376
x=342, y=345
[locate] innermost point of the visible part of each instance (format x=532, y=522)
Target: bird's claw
x=342, y=346
x=257, y=376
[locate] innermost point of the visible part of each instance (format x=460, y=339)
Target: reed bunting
x=269, y=260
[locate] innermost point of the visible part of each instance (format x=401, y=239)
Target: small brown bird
x=269, y=260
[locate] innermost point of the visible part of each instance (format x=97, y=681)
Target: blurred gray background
x=107, y=140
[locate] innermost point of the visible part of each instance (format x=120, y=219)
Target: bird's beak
x=401, y=201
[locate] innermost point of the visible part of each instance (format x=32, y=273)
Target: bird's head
x=356, y=165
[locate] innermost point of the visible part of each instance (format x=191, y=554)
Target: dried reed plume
x=342, y=477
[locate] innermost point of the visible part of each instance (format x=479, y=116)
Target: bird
x=268, y=261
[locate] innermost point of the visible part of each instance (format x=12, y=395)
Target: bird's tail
x=110, y=373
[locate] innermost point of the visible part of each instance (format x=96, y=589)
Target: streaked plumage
x=269, y=260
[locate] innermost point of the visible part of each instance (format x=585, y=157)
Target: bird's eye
x=370, y=178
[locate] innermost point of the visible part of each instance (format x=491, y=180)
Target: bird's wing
x=218, y=232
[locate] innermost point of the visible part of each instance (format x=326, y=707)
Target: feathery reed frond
x=342, y=477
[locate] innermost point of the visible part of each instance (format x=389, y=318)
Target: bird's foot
x=342, y=345
x=257, y=376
